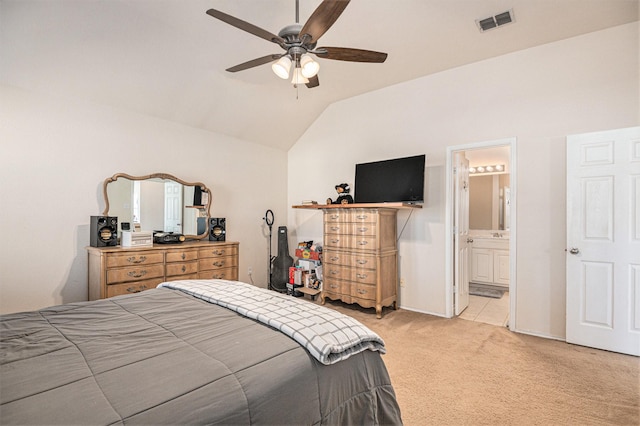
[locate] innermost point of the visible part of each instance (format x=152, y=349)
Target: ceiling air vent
x=495, y=21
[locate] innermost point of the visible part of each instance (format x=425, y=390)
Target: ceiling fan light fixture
x=308, y=66
x=298, y=78
x=282, y=66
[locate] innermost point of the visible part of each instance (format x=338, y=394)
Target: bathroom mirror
x=489, y=202
x=158, y=202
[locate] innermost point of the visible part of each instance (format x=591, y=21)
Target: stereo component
x=136, y=239
x=217, y=229
x=103, y=231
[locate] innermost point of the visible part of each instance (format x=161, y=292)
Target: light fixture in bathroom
x=497, y=168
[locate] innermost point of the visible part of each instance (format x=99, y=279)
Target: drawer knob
x=363, y=243
x=335, y=258
x=361, y=276
x=219, y=263
x=219, y=276
x=361, y=291
x=335, y=228
x=184, y=268
x=133, y=259
x=362, y=262
x=335, y=241
x=184, y=256
x=136, y=274
x=334, y=286
x=334, y=216
x=218, y=252
x=362, y=216
x=334, y=272
x=363, y=229
x=136, y=289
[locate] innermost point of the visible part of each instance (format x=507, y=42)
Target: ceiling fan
x=299, y=42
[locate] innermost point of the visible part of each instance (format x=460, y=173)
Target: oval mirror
x=158, y=202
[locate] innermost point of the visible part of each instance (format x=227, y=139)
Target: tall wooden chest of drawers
x=360, y=257
x=121, y=270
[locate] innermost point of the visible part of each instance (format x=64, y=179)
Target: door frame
x=449, y=249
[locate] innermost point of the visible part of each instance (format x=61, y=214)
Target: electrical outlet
x=401, y=282
x=250, y=270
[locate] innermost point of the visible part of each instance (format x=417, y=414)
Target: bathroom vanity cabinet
x=490, y=261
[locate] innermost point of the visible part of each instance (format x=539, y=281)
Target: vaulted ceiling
x=167, y=58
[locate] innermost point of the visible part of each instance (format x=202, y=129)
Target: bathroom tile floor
x=488, y=310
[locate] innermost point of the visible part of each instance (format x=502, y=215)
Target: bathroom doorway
x=483, y=233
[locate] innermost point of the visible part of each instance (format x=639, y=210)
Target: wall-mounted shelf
x=359, y=206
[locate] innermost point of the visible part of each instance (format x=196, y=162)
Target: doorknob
x=574, y=250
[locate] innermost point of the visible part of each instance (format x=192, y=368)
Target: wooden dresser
x=118, y=270
x=360, y=255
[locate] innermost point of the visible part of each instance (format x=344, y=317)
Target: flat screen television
x=390, y=181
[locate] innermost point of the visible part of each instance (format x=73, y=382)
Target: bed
x=175, y=355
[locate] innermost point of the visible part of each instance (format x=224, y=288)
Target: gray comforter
x=164, y=357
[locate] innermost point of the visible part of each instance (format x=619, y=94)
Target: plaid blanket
x=328, y=336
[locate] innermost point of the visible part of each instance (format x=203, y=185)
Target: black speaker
x=217, y=229
x=103, y=231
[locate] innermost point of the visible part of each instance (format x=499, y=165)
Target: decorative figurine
x=343, y=195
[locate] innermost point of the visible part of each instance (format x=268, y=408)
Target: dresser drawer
x=181, y=255
x=219, y=274
x=336, y=272
x=218, y=251
x=336, y=216
x=337, y=241
x=363, y=291
x=135, y=273
x=365, y=261
x=132, y=287
x=335, y=286
x=332, y=257
x=364, y=276
x=362, y=243
x=181, y=268
x=212, y=263
x=134, y=258
x=362, y=216
x=337, y=228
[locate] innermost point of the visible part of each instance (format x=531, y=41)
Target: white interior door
x=461, y=232
x=172, y=207
x=603, y=240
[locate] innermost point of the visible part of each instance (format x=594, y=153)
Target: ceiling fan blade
x=313, y=82
x=254, y=63
x=245, y=26
x=348, y=54
x=322, y=19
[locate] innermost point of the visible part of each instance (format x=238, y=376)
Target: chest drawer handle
x=335, y=228
x=362, y=216
x=363, y=229
x=184, y=256
x=361, y=291
x=334, y=216
x=136, y=289
x=219, y=276
x=361, y=276
x=218, y=263
x=135, y=274
x=132, y=259
x=334, y=286
x=335, y=258
x=334, y=272
x=362, y=262
x=184, y=268
x=363, y=243
x=218, y=252
x=335, y=241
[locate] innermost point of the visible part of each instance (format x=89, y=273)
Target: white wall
x=54, y=156
x=538, y=95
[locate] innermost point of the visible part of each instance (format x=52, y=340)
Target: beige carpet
x=458, y=372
